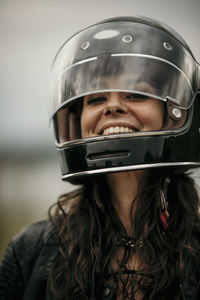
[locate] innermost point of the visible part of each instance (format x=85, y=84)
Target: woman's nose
x=115, y=105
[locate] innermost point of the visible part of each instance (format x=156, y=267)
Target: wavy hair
x=89, y=232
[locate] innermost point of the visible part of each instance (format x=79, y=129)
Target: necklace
x=129, y=242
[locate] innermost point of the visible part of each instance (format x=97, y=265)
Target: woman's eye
x=96, y=100
x=137, y=97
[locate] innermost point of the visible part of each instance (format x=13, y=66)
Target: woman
x=125, y=114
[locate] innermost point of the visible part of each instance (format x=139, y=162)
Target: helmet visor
x=137, y=73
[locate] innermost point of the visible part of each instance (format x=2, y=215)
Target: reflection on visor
x=117, y=114
x=139, y=74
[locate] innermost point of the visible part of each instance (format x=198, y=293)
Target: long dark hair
x=90, y=231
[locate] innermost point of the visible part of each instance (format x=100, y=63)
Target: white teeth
x=111, y=130
x=116, y=129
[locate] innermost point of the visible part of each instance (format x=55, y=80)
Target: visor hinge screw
x=176, y=113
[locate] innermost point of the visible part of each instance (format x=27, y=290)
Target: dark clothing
x=24, y=268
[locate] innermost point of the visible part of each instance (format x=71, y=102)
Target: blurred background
x=31, y=32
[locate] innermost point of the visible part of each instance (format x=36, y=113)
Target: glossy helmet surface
x=132, y=55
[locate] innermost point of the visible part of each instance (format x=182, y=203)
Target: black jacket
x=25, y=265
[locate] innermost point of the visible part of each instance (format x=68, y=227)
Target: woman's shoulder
x=29, y=241
x=27, y=256
x=32, y=238
x=39, y=230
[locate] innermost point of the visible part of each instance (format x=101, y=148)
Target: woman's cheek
x=151, y=116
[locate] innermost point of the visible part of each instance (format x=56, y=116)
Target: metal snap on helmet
x=132, y=55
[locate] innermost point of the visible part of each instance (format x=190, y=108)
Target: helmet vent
x=108, y=155
x=85, y=45
x=127, y=38
x=168, y=46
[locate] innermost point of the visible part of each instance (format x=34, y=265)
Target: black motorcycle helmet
x=133, y=55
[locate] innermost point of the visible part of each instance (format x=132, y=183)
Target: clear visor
x=138, y=73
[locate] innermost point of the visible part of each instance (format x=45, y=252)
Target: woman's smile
x=118, y=112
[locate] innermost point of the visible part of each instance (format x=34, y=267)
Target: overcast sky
x=31, y=32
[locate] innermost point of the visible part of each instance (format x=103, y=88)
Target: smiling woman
x=126, y=117
x=117, y=112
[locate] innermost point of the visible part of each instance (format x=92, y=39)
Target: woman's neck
x=123, y=189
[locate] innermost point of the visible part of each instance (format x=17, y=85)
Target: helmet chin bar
x=102, y=157
x=117, y=154
x=78, y=177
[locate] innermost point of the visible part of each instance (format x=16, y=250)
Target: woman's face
x=117, y=112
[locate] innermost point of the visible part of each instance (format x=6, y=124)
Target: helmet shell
x=114, y=47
